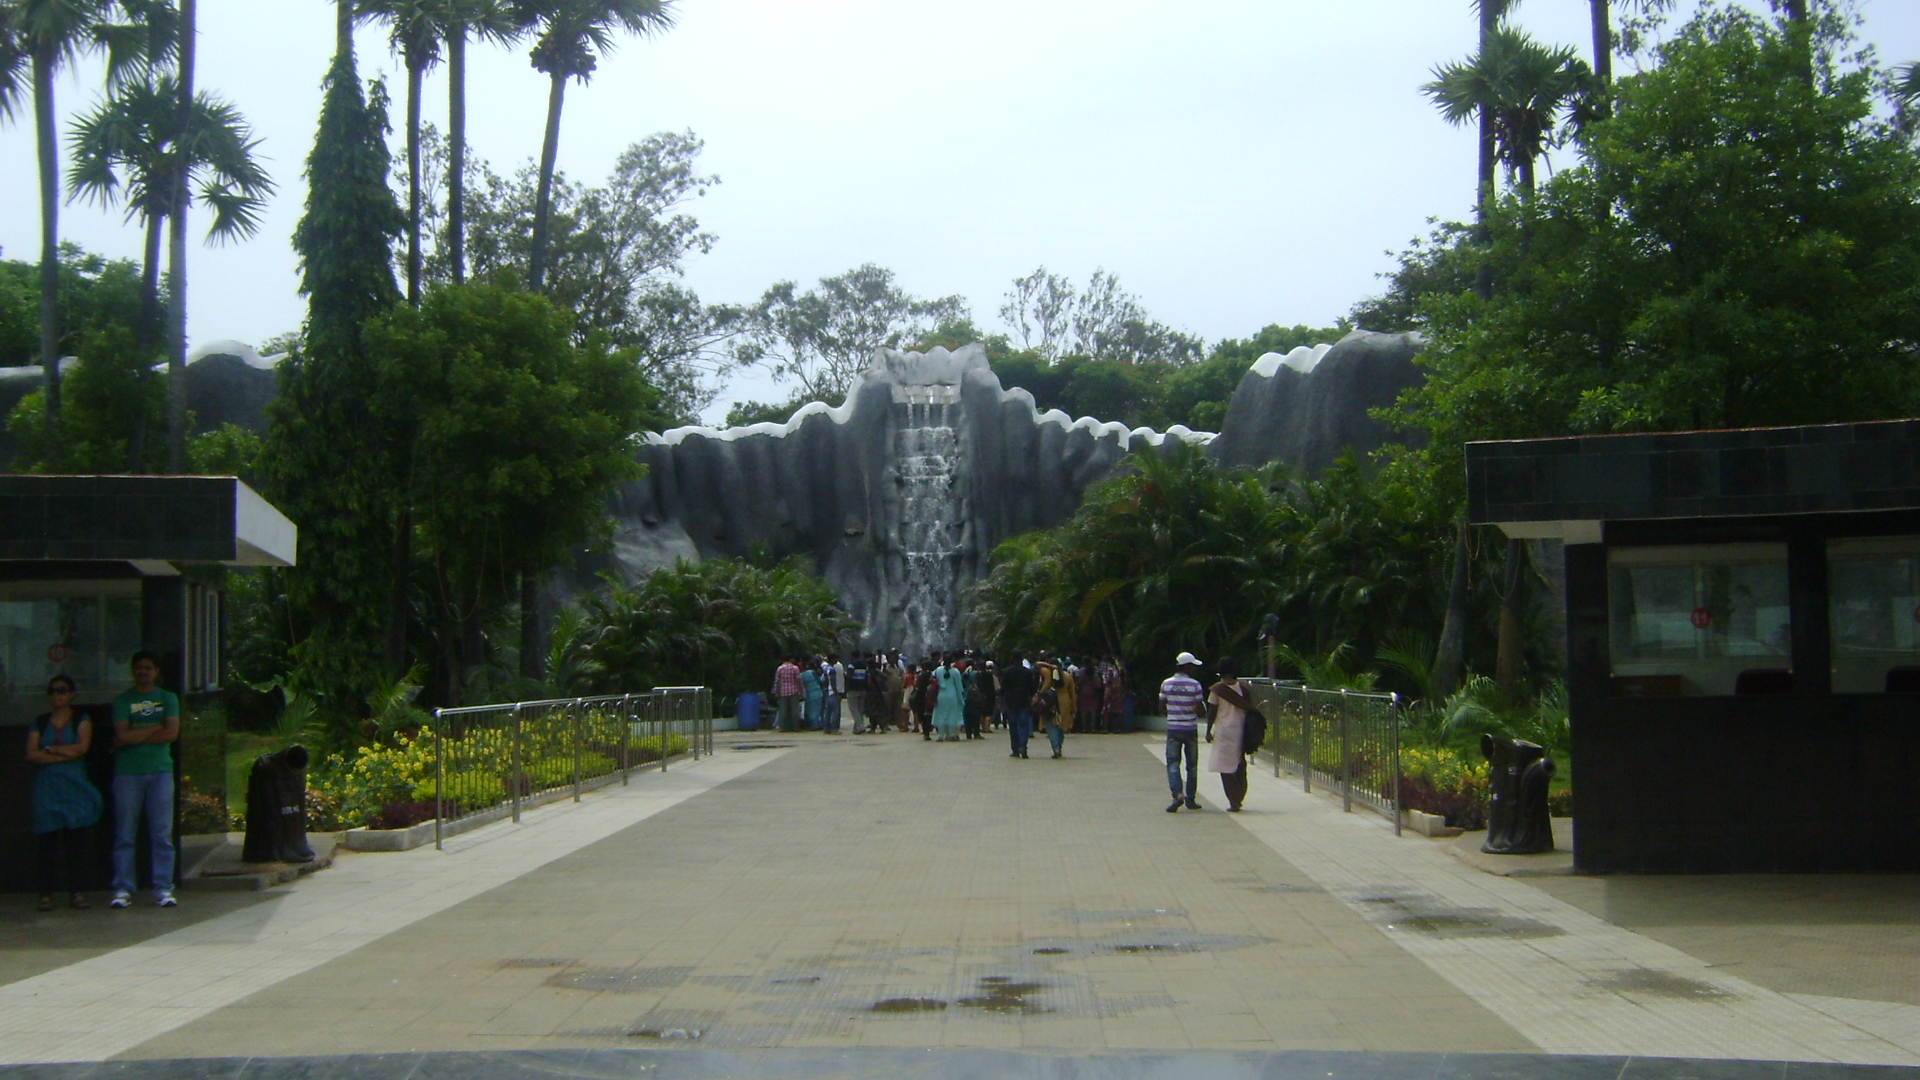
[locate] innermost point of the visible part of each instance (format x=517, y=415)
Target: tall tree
x=325, y=462
x=572, y=33
x=416, y=27
x=125, y=152
x=488, y=20
x=40, y=37
x=177, y=245
x=1522, y=85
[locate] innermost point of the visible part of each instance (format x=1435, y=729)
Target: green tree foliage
x=1737, y=246
x=1103, y=321
x=616, y=257
x=722, y=623
x=327, y=465
x=1175, y=554
x=509, y=439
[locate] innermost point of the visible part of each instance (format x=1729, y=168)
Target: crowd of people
x=960, y=695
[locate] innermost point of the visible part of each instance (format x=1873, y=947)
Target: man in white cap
x=1181, y=698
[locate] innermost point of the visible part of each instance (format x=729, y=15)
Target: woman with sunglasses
x=65, y=803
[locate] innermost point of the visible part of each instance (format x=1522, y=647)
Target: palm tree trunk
x=1506, y=664
x=543, y=205
x=532, y=652
x=177, y=262
x=1602, y=16
x=1449, y=661
x=401, y=589
x=147, y=338
x=48, y=140
x=416, y=73
x=343, y=27
x=1488, y=152
x=1797, y=20
x=457, y=152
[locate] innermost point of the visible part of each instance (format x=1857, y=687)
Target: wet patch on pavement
x=1643, y=982
x=1432, y=917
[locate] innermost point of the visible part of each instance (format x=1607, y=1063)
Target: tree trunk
x=1506, y=664
x=457, y=152
x=543, y=205
x=1449, y=661
x=47, y=136
x=177, y=261
x=532, y=648
x=343, y=27
x=147, y=339
x=416, y=73
x=1796, y=12
x=400, y=590
x=1488, y=153
x=1602, y=46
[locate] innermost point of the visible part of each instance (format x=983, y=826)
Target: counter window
x=1873, y=587
x=1700, y=619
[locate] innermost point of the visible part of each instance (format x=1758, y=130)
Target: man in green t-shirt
x=146, y=723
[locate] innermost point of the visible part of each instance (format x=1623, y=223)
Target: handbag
x=1253, y=732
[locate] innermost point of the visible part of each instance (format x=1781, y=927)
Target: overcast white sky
x=1235, y=162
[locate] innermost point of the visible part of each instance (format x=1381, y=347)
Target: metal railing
x=1344, y=740
x=492, y=760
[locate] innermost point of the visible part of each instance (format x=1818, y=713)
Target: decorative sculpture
x=277, y=808
x=1517, y=776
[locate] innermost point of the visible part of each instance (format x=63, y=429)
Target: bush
x=201, y=814
x=323, y=813
x=405, y=815
x=472, y=790
x=1560, y=803
x=1441, y=780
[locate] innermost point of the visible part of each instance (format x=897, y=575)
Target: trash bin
x=747, y=712
x=1517, y=776
x=277, y=808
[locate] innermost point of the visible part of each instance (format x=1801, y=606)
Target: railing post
x=1394, y=715
x=516, y=776
x=1346, y=756
x=573, y=729
x=439, y=778
x=1306, y=738
x=626, y=738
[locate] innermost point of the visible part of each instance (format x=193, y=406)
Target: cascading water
x=926, y=452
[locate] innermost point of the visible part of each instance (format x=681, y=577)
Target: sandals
x=79, y=902
x=46, y=902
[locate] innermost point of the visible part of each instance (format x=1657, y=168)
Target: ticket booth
x=1743, y=640
x=95, y=568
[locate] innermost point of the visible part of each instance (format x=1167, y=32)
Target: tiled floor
x=882, y=893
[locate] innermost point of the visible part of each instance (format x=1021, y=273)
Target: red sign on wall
x=1701, y=618
x=57, y=653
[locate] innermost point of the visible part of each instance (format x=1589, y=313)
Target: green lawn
x=242, y=748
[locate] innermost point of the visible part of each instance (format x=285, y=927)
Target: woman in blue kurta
x=810, y=692
x=949, y=710
x=65, y=803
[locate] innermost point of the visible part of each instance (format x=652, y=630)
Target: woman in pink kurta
x=1226, y=725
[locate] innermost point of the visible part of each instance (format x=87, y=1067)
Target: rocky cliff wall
x=1308, y=407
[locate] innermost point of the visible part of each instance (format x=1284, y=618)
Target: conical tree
x=324, y=461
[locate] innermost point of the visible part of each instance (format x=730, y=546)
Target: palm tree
x=1518, y=84
x=417, y=26
x=571, y=34
x=126, y=152
x=184, y=50
x=490, y=20
x=37, y=38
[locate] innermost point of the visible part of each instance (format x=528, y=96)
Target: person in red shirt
x=786, y=694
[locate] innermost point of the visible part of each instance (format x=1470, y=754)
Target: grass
x=242, y=748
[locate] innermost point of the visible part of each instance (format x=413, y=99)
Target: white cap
x=1186, y=658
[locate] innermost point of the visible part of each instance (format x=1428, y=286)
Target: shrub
x=405, y=815
x=200, y=814
x=323, y=813
x=472, y=790
x=1441, y=780
x=1560, y=803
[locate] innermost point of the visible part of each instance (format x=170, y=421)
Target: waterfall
x=926, y=454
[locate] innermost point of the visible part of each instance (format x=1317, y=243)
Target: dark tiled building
x=93, y=568
x=1743, y=640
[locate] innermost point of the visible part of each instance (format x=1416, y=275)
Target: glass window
x=1873, y=587
x=84, y=629
x=1691, y=620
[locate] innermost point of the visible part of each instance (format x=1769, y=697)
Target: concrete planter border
x=421, y=835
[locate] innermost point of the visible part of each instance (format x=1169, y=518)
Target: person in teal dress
x=949, y=709
x=65, y=803
x=810, y=691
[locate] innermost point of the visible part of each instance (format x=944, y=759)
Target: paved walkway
x=881, y=892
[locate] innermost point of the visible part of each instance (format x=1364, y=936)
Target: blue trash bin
x=747, y=711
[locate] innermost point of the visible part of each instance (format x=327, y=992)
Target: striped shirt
x=1182, y=697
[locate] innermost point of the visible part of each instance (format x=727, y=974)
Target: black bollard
x=1517, y=776
x=277, y=808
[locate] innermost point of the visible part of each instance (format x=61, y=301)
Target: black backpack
x=1253, y=732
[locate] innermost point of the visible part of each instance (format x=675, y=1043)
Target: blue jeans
x=1055, y=735
x=1019, y=728
x=1187, y=742
x=132, y=793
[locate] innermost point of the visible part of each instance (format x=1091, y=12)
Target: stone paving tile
x=896, y=876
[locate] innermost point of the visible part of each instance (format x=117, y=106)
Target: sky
x=1235, y=162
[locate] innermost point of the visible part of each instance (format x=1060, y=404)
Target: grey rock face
x=899, y=496
x=1308, y=407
